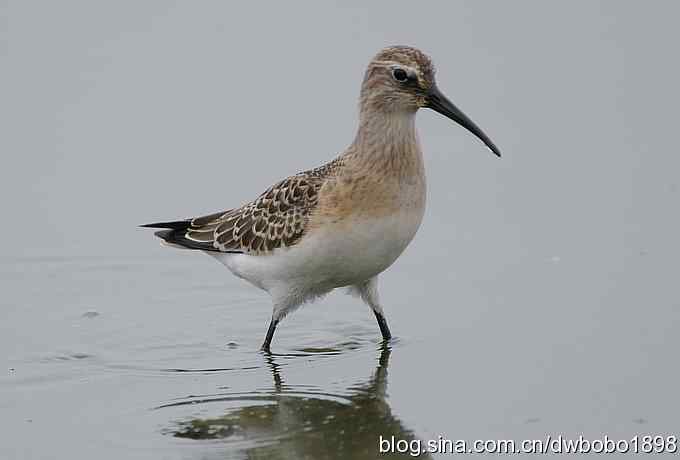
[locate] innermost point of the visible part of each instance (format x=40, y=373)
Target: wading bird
x=343, y=223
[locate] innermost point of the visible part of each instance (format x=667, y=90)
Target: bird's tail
x=172, y=233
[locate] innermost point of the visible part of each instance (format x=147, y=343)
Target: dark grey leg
x=270, y=335
x=382, y=322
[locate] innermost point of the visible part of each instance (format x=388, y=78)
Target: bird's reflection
x=293, y=424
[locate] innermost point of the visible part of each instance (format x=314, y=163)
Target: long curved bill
x=440, y=103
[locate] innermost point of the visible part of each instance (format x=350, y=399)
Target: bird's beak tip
x=439, y=103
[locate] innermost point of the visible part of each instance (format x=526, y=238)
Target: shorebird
x=341, y=224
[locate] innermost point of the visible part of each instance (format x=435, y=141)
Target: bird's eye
x=400, y=75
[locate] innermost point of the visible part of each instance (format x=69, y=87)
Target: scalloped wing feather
x=277, y=218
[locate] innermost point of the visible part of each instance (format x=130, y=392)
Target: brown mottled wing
x=277, y=218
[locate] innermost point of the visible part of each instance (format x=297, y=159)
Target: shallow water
x=123, y=357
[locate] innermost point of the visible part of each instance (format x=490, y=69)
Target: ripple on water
x=66, y=357
x=306, y=419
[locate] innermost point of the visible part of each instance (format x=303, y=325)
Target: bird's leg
x=270, y=335
x=382, y=323
x=368, y=291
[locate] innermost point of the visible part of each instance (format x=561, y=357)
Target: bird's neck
x=387, y=142
x=379, y=128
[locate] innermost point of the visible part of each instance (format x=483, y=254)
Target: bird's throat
x=387, y=144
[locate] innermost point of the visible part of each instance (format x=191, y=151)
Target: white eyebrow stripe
x=394, y=64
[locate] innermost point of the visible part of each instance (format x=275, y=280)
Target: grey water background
x=539, y=297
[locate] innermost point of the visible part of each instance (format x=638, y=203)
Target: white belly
x=330, y=257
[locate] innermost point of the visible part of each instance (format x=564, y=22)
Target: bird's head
x=400, y=79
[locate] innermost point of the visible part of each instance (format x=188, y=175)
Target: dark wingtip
x=176, y=225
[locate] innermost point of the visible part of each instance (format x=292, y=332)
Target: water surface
x=540, y=296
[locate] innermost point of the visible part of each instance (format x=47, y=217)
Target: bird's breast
x=361, y=227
